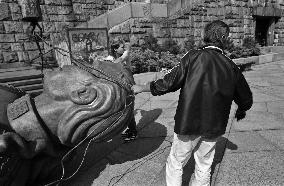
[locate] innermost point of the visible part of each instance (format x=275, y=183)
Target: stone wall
x=57, y=15
x=190, y=22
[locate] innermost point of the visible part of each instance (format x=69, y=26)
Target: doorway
x=264, y=30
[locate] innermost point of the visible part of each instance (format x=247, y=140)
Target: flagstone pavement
x=250, y=153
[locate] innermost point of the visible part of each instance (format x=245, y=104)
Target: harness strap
x=51, y=136
x=109, y=77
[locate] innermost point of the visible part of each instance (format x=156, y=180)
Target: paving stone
x=258, y=82
x=257, y=120
x=252, y=168
x=260, y=95
x=168, y=112
x=152, y=129
x=139, y=102
x=143, y=170
x=274, y=136
x=163, y=103
x=276, y=107
x=249, y=141
x=83, y=178
x=261, y=106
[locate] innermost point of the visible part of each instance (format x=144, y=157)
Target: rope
x=86, y=149
x=86, y=67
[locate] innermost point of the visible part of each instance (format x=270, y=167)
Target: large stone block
x=109, y=2
x=48, y=27
x=119, y=15
x=125, y=28
x=58, y=2
x=10, y=57
x=94, y=1
x=78, y=8
x=67, y=18
x=7, y=38
x=99, y=22
x=65, y=10
x=78, y=1
x=4, y=11
x=15, y=8
x=159, y=10
x=2, y=28
x=1, y=58
x=266, y=58
x=13, y=26
x=17, y=47
x=5, y=46
x=17, y=16
x=278, y=57
x=50, y=9
x=30, y=46
x=33, y=55
x=23, y=56
x=138, y=30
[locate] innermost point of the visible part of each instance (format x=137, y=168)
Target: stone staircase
x=28, y=79
x=171, y=10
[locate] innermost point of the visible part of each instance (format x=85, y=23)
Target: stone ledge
x=254, y=60
x=261, y=59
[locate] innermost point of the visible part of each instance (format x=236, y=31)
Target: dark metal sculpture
x=78, y=103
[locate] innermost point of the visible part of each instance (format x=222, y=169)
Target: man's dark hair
x=216, y=33
x=113, y=48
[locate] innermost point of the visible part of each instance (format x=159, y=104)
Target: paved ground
x=250, y=153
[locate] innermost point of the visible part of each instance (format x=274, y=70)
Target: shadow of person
x=221, y=145
x=151, y=135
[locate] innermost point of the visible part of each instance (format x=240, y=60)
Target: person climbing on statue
x=119, y=53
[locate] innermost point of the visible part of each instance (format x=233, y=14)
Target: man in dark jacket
x=208, y=82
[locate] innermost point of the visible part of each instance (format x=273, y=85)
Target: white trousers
x=182, y=147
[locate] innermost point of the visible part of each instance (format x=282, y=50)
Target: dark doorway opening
x=264, y=31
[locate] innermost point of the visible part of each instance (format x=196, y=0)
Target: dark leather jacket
x=208, y=82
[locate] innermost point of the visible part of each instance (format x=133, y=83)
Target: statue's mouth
x=113, y=125
x=105, y=133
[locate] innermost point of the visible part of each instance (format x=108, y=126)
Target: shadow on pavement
x=101, y=155
x=220, y=149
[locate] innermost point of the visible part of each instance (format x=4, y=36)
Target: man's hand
x=240, y=114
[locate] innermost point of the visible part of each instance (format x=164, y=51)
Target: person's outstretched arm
x=171, y=82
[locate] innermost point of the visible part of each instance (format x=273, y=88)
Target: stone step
x=9, y=77
x=35, y=93
x=26, y=82
x=31, y=87
x=4, y=70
